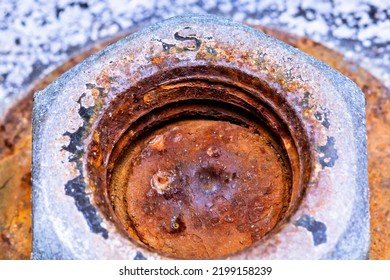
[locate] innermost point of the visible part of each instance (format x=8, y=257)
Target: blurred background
x=39, y=35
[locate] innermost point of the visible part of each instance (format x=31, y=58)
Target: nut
x=224, y=75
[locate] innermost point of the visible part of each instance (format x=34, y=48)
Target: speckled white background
x=36, y=35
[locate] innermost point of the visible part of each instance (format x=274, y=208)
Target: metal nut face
x=200, y=138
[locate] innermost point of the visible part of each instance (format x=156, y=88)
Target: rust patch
x=212, y=189
x=15, y=202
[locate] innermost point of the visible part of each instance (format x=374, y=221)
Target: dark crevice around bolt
x=328, y=153
x=76, y=187
x=139, y=256
x=317, y=229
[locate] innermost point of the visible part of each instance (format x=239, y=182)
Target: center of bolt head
x=201, y=188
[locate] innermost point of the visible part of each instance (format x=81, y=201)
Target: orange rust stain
x=148, y=98
x=15, y=202
x=95, y=156
x=157, y=60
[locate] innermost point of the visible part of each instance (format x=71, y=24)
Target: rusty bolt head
x=198, y=130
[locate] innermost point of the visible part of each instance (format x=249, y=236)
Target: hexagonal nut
x=83, y=121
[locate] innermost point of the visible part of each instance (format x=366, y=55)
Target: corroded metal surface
x=108, y=100
x=377, y=97
x=15, y=182
x=196, y=180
